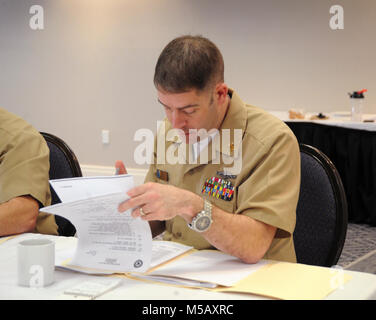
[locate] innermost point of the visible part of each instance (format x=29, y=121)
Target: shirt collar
x=235, y=118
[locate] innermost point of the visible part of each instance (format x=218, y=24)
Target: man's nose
x=177, y=120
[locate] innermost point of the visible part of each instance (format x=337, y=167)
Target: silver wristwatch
x=202, y=221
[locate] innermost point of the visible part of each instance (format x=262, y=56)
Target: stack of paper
x=162, y=252
x=209, y=268
x=108, y=240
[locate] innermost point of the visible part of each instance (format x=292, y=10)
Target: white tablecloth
x=338, y=119
x=361, y=286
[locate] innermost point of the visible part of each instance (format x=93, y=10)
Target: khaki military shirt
x=264, y=174
x=24, y=166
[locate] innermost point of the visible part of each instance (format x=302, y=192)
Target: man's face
x=190, y=110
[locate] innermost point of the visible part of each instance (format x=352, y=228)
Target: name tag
x=225, y=175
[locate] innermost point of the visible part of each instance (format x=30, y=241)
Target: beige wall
x=91, y=67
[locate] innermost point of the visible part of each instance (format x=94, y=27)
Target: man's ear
x=221, y=91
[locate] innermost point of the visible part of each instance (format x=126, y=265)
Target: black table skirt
x=353, y=152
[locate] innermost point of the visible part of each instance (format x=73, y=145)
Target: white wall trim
x=89, y=170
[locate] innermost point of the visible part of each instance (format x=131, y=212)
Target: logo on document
x=138, y=263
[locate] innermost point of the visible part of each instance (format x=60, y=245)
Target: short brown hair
x=189, y=62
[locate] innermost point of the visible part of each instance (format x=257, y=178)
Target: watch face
x=203, y=223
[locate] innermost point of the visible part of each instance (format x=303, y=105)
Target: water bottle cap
x=357, y=94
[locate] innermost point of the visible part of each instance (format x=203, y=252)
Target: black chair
x=321, y=216
x=63, y=164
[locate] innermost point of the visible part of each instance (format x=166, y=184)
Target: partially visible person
x=24, y=174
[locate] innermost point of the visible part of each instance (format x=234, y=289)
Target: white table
x=337, y=119
x=351, y=146
x=361, y=286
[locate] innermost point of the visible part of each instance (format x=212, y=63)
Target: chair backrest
x=63, y=164
x=321, y=216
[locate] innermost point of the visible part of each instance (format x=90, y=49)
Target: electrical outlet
x=105, y=136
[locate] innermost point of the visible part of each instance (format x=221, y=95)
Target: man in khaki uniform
x=246, y=208
x=24, y=173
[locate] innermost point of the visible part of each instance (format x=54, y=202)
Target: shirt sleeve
x=270, y=193
x=24, y=167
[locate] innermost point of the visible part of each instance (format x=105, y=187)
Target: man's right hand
x=120, y=167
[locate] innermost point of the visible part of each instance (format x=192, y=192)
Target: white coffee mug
x=36, y=262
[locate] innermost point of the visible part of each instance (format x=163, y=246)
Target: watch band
x=202, y=221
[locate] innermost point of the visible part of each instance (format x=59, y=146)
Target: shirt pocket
x=214, y=188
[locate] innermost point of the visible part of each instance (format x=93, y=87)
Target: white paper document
x=208, y=266
x=162, y=251
x=166, y=250
x=73, y=189
x=108, y=241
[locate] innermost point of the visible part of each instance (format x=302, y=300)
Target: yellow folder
x=291, y=281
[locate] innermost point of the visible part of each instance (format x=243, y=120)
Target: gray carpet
x=359, y=251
